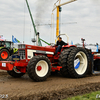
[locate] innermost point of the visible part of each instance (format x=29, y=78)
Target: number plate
x=15, y=57
x=3, y=64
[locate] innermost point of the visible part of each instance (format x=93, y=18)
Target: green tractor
x=6, y=50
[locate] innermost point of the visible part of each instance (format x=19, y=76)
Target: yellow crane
x=58, y=7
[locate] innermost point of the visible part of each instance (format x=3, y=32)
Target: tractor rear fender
x=67, y=46
x=11, y=50
x=1, y=48
x=6, y=49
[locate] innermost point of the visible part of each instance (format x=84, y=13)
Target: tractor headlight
x=21, y=46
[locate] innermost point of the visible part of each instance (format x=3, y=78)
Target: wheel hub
x=4, y=55
x=39, y=68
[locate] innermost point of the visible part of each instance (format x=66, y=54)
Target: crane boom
x=31, y=17
x=39, y=39
x=39, y=42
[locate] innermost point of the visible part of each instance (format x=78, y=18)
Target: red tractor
x=39, y=61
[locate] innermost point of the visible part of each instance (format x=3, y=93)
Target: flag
x=71, y=42
x=97, y=48
x=14, y=40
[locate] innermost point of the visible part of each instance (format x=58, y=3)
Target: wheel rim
x=16, y=70
x=41, y=68
x=80, y=63
x=4, y=55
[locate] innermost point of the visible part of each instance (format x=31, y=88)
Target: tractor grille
x=22, y=54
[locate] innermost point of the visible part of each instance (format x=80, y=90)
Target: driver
x=59, y=45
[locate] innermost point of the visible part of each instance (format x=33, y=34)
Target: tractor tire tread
x=31, y=68
x=70, y=60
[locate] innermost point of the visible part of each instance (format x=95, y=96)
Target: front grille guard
x=22, y=54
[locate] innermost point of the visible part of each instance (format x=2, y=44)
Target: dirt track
x=54, y=88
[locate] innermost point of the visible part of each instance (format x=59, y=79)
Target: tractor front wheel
x=15, y=72
x=39, y=68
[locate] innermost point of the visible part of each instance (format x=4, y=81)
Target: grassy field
x=89, y=96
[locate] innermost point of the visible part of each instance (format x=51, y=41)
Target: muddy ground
x=55, y=87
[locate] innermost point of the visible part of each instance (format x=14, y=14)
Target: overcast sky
x=82, y=19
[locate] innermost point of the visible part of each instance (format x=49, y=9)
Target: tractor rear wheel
x=78, y=62
x=4, y=54
x=39, y=68
x=15, y=72
x=63, y=61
